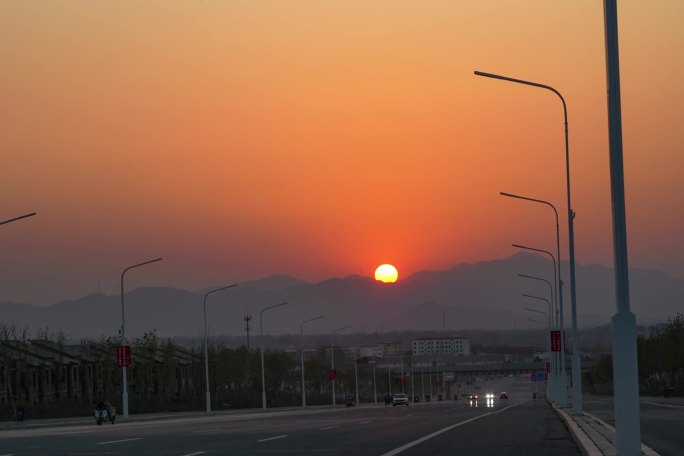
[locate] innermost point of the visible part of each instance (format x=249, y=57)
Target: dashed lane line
x=194, y=454
x=119, y=441
x=205, y=430
x=273, y=438
x=326, y=428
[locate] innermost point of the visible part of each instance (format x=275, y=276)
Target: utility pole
x=247, y=319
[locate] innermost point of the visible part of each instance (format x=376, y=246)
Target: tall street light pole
x=551, y=325
x=557, y=291
x=332, y=360
x=18, y=218
x=261, y=348
x=206, y=351
x=123, y=334
x=551, y=295
x=625, y=368
x=562, y=381
x=550, y=322
x=301, y=338
x=559, y=280
x=576, y=374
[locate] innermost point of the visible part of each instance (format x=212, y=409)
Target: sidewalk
x=595, y=437
x=248, y=412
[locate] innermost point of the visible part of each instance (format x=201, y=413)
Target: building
x=442, y=346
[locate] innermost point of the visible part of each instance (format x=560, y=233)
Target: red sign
x=555, y=341
x=332, y=374
x=123, y=355
x=548, y=367
x=402, y=381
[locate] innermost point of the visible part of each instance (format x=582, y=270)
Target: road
x=661, y=426
x=518, y=426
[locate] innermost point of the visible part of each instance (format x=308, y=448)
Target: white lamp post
x=206, y=352
x=301, y=335
x=332, y=361
x=123, y=334
x=261, y=343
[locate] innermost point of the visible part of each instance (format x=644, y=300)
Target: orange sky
x=317, y=138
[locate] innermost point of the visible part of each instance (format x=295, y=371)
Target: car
x=503, y=395
x=489, y=395
x=472, y=397
x=400, y=399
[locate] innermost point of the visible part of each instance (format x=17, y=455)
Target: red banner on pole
x=332, y=374
x=123, y=355
x=555, y=341
x=548, y=367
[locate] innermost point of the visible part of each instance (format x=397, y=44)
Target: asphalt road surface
x=661, y=426
x=517, y=426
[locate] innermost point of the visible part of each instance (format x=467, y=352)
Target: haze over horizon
x=239, y=140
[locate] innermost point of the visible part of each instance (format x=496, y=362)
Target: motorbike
x=104, y=411
x=350, y=401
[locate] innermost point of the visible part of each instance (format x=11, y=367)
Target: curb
x=585, y=444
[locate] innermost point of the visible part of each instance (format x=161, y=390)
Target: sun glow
x=386, y=273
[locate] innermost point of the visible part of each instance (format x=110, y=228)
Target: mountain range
x=484, y=295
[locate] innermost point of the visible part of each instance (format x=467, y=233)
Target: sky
x=241, y=139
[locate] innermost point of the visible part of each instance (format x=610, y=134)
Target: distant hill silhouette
x=484, y=295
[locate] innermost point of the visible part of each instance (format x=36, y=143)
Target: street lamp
x=375, y=386
x=301, y=338
x=576, y=374
x=554, y=376
x=558, y=255
x=206, y=353
x=563, y=398
x=261, y=343
x=123, y=334
x=332, y=359
x=551, y=295
x=18, y=218
x=557, y=289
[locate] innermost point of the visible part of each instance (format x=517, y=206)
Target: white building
x=442, y=346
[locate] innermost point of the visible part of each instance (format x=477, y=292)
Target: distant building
x=383, y=350
x=375, y=351
x=442, y=346
x=393, y=348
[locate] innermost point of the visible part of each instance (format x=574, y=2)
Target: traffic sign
x=537, y=377
x=123, y=355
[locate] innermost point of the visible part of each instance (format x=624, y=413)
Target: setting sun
x=386, y=273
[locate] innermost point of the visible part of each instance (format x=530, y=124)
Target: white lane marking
x=206, y=430
x=273, y=438
x=119, y=441
x=326, y=428
x=441, y=431
x=194, y=454
x=429, y=436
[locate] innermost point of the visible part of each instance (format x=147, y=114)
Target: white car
x=400, y=399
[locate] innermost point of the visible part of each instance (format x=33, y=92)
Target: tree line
x=660, y=358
